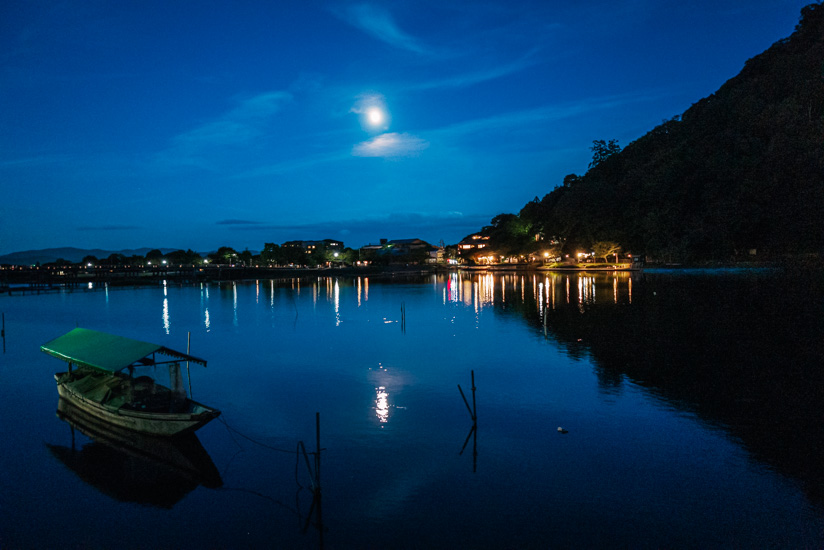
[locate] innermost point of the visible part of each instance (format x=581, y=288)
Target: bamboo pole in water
x=317, y=478
x=473, y=431
x=188, y=374
x=403, y=317
x=474, y=408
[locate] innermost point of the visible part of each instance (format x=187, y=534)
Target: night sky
x=203, y=124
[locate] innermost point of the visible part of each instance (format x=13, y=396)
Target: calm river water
x=691, y=404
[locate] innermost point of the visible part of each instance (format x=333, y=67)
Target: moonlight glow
x=375, y=116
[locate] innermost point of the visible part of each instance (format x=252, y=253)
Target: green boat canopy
x=109, y=353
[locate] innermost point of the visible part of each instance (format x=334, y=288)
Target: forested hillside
x=741, y=172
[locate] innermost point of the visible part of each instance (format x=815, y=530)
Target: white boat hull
x=160, y=424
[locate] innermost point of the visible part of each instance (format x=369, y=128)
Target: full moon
x=375, y=116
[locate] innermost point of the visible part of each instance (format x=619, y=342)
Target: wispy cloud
x=431, y=226
x=108, y=227
x=237, y=222
x=366, y=101
x=529, y=117
x=476, y=77
x=238, y=126
x=293, y=165
x=379, y=23
x=391, y=145
x=34, y=161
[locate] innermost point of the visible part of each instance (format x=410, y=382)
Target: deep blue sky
x=202, y=124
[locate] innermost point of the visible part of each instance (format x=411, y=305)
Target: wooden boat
x=101, y=382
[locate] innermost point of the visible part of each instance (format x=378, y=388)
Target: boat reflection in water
x=132, y=467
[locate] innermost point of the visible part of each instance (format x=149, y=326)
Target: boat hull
x=160, y=424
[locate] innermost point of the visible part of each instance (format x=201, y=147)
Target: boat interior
x=121, y=390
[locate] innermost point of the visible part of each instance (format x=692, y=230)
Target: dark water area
x=690, y=404
x=743, y=350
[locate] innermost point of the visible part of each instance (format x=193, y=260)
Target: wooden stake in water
x=317, y=477
x=314, y=480
x=403, y=317
x=317, y=450
x=3, y=332
x=188, y=375
x=473, y=431
x=474, y=409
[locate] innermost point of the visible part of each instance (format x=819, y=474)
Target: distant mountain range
x=47, y=255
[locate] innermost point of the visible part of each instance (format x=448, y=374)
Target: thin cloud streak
x=543, y=114
x=237, y=222
x=237, y=127
x=400, y=218
x=470, y=79
x=431, y=227
x=108, y=227
x=379, y=24
x=35, y=161
x=312, y=161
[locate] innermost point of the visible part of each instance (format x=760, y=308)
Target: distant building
x=407, y=246
x=315, y=246
x=472, y=244
x=400, y=250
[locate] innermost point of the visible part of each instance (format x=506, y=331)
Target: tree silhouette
x=601, y=151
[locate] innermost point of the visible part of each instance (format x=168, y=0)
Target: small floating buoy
x=563, y=431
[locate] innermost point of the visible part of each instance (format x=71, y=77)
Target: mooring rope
x=256, y=442
x=297, y=452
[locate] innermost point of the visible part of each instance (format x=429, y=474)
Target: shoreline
x=23, y=280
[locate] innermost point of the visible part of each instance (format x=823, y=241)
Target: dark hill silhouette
x=741, y=172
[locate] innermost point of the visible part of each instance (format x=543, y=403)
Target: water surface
x=691, y=404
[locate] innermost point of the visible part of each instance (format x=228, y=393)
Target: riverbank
x=46, y=279
x=39, y=279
